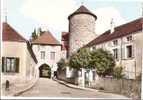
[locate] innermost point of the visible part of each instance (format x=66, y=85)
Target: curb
x=74, y=86
x=24, y=90
x=82, y=88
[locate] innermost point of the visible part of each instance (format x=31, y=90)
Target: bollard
x=7, y=85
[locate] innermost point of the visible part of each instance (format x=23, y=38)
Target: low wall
x=62, y=76
x=129, y=88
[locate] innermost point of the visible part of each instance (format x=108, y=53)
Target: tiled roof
x=9, y=34
x=119, y=31
x=82, y=10
x=64, y=35
x=46, y=38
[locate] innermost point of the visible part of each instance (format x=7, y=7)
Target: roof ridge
x=8, y=30
x=46, y=38
x=122, y=30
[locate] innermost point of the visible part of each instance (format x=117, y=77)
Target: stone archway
x=45, y=71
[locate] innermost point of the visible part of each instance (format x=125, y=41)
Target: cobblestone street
x=49, y=88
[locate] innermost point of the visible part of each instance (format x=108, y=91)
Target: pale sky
x=25, y=15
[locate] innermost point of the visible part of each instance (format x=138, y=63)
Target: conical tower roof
x=82, y=10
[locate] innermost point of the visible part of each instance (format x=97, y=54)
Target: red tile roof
x=46, y=38
x=64, y=36
x=119, y=31
x=82, y=10
x=9, y=34
x=64, y=48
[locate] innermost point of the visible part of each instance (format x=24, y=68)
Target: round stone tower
x=81, y=28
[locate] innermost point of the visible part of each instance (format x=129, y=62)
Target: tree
x=62, y=63
x=103, y=61
x=80, y=59
x=34, y=35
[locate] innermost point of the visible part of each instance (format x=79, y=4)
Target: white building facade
x=48, y=51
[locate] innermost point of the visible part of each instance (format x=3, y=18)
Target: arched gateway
x=45, y=71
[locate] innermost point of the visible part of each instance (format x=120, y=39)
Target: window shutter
x=133, y=50
x=17, y=65
x=123, y=53
x=118, y=54
x=3, y=64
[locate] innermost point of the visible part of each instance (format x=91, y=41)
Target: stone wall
x=81, y=31
x=129, y=88
x=62, y=76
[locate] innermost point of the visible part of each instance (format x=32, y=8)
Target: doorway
x=45, y=71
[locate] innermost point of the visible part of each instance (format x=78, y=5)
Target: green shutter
x=2, y=64
x=17, y=65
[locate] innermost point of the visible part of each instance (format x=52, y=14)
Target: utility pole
x=5, y=14
x=142, y=55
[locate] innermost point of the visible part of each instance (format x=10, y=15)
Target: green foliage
x=62, y=63
x=34, y=35
x=100, y=59
x=117, y=72
x=103, y=61
x=80, y=59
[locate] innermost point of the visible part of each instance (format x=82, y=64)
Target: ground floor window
x=10, y=64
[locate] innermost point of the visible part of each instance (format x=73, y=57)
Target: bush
x=62, y=63
x=117, y=72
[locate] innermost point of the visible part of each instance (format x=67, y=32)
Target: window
x=115, y=42
x=52, y=55
x=42, y=54
x=115, y=53
x=129, y=38
x=10, y=64
x=129, y=51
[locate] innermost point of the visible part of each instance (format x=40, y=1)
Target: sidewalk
x=16, y=89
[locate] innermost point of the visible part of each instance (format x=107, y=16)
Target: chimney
x=112, y=26
x=38, y=31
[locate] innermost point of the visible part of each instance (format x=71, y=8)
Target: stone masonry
x=81, y=31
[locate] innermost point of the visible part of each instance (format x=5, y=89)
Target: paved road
x=49, y=88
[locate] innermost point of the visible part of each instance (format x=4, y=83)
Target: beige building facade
x=18, y=59
x=125, y=45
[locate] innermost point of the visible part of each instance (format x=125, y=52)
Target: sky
x=26, y=15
